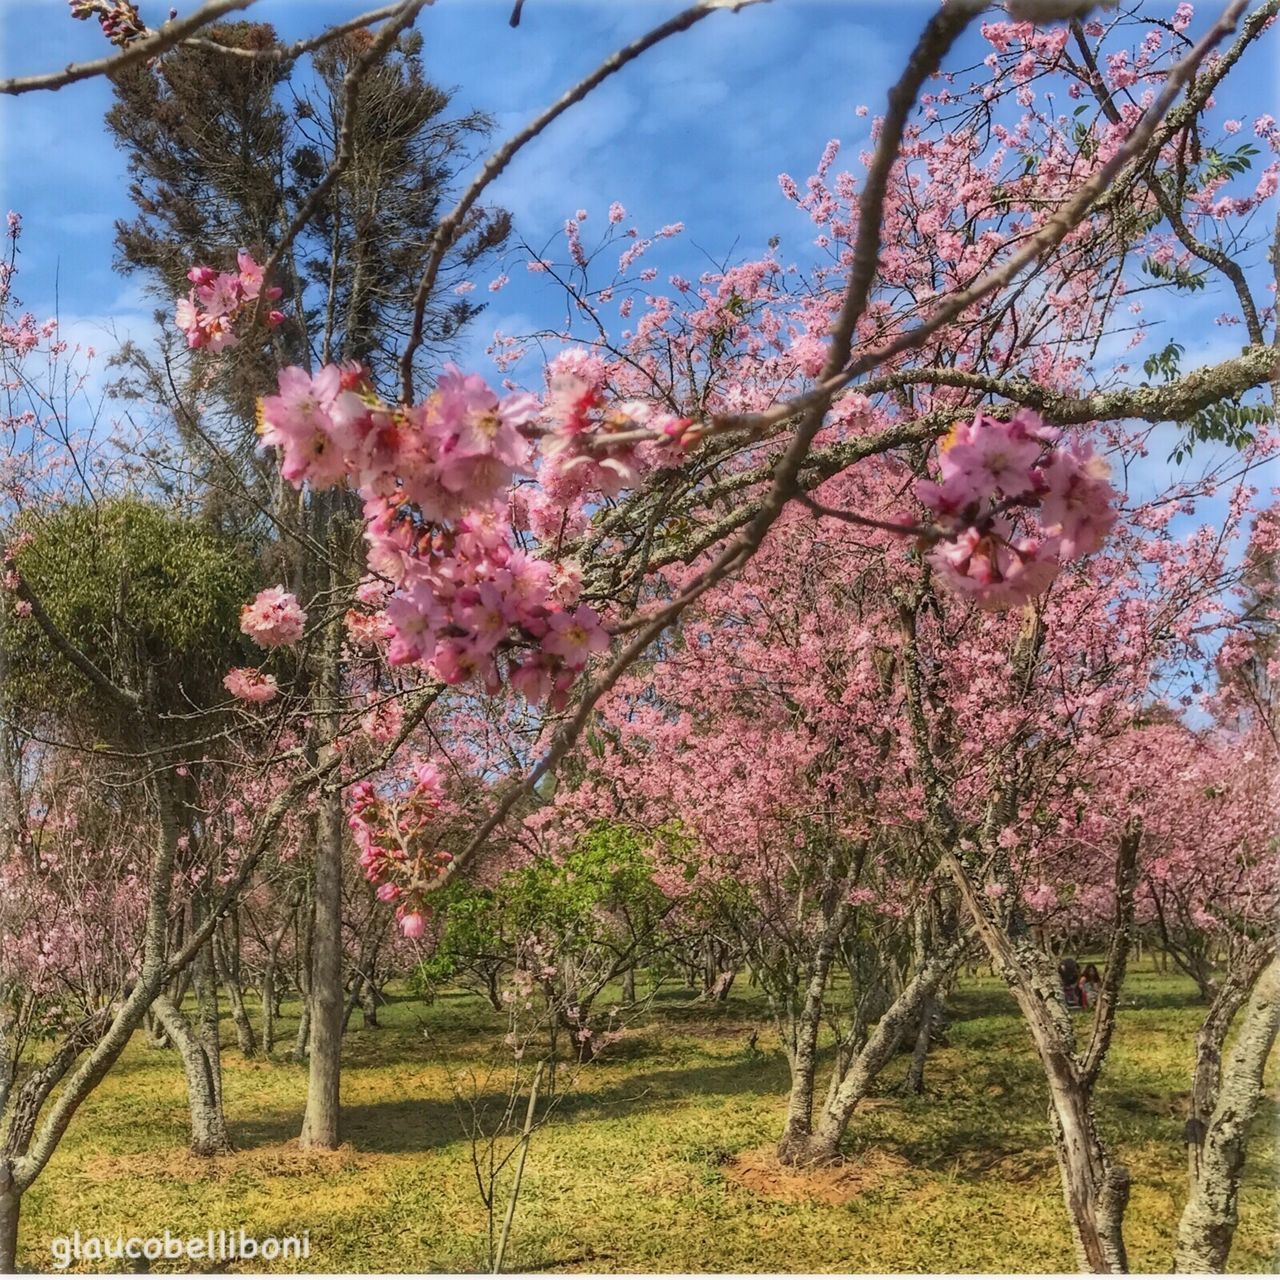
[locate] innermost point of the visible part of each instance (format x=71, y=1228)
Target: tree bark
x=208, y=1122
x=795, y=1147
x=306, y=931
x=302, y=1041
x=207, y=1027
x=369, y=1000
x=920, y=1050
x=1209, y=1219
x=10, y=1210
x=269, y=1005
x=227, y=949
x=320, y=1126
x=860, y=1070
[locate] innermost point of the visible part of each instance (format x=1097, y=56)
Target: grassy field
x=657, y=1159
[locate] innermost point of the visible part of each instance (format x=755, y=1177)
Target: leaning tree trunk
x=1209, y=1219
x=858, y=1071
x=21, y=1112
x=208, y=1122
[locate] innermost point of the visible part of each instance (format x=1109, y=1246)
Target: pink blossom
x=273, y=618
x=250, y=685
x=575, y=636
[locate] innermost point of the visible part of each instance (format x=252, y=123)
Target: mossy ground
x=657, y=1158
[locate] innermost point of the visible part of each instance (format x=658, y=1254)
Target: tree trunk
x=269, y=1005
x=207, y=1022
x=795, y=1147
x=1096, y=1192
x=227, y=950
x=320, y=1123
x=1209, y=1219
x=920, y=1051
x=353, y=999
x=369, y=1000
x=306, y=931
x=302, y=1041
x=1206, y=1077
x=208, y=1123
x=629, y=987
x=10, y=1208
x=858, y=1072
x=246, y=1041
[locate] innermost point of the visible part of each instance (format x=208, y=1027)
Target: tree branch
x=118, y=694
x=450, y=226
x=149, y=46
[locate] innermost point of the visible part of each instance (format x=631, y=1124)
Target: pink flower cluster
x=581, y=453
x=393, y=834
x=435, y=479
x=989, y=468
x=250, y=685
x=273, y=618
x=218, y=301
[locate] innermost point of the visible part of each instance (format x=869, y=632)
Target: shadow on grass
x=408, y=1125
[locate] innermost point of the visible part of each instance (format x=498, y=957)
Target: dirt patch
x=759, y=1172
x=280, y=1160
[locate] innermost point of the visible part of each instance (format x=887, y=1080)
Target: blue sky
x=695, y=131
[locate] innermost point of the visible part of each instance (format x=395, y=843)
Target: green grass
x=657, y=1158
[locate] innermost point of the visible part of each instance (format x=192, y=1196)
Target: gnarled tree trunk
x=208, y=1122
x=1209, y=1219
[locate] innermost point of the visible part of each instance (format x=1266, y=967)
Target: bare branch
x=123, y=697
x=150, y=46
x=451, y=225
x=286, y=53
x=387, y=35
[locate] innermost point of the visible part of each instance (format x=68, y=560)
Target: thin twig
x=448, y=229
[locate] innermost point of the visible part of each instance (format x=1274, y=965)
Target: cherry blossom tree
x=937, y=397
